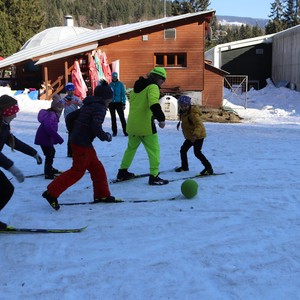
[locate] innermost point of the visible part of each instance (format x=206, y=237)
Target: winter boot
x=123, y=174
x=180, y=169
x=48, y=171
x=55, y=171
x=3, y=226
x=52, y=200
x=49, y=176
x=108, y=199
x=155, y=180
x=207, y=172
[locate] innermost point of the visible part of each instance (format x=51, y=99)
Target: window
x=171, y=60
x=170, y=34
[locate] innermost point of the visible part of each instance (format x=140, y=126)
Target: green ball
x=189, y=188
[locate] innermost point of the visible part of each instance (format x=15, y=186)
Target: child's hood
x=43, y=115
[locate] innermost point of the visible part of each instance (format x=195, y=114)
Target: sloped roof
x=214, y=54
x=88, y=38
x=54, y=35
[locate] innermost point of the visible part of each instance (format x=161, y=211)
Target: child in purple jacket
x=47, y=134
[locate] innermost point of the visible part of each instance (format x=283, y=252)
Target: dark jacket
x=88, y=124
x=46, y=134
x=5, y=138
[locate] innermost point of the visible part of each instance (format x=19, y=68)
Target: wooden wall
x=137, y=57
x=212, y=95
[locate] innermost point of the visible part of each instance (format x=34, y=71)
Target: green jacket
x=144, y=108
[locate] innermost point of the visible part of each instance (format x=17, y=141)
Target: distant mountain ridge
x=242, y=20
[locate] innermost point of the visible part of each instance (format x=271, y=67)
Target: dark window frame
x=170, y=60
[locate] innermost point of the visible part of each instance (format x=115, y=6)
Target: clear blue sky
x=242, y=8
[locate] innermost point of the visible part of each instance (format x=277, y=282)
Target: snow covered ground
x=239, y=238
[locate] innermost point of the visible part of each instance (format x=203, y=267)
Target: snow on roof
x=54, y=35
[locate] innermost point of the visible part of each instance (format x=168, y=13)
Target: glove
x=161, y=124
x=124, y=106
x=108, y=136
x=39, y=160
x=17, y=173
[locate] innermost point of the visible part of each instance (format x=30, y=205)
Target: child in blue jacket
x=118, y=104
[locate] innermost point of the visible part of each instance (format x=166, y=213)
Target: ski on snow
x=170, y=180
x=42, y=174
x=137, y=176
x=122, y=201
x=199, y=176
x=143, y=200
x=16, y=230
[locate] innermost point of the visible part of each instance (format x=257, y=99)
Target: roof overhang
x=67, y=53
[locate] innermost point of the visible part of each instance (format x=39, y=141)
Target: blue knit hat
x=184, y=100
x=69, y=87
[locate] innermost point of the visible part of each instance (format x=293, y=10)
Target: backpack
x=71, y=118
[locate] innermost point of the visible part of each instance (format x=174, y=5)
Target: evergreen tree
x=6, y=43
x=276, y=22
x=290, y=14
x=199, y=5
x=25, y=19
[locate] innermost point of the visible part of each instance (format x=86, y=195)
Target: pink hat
x=12, y=110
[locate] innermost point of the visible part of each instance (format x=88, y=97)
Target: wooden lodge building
x=176, y=43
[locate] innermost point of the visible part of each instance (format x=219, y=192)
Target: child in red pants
x=87, y=125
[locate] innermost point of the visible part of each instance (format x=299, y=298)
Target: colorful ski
x=16, y=230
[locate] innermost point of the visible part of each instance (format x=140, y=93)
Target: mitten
x=17, y=173
x=39, y=160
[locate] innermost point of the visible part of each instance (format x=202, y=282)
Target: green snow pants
x=151, y=146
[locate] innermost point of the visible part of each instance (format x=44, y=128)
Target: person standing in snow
x=194, y=132
x=118, y=104
x=8, y=111
x=70, y=103
x=87, y=125
x=144, y=109
x=47, y=134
